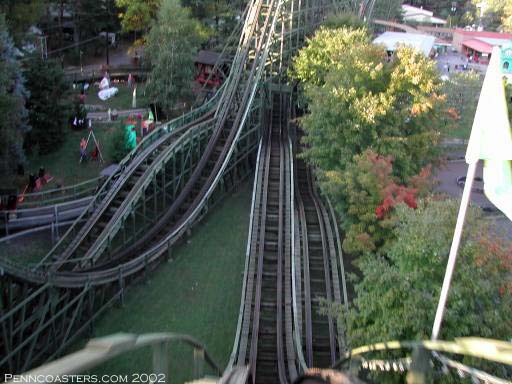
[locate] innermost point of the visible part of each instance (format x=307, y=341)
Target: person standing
x=83, y=149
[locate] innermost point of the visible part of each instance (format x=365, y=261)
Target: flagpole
x=454, y=248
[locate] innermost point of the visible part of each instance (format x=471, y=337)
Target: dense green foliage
x=171, y=49
x=398, y=294
x=137, y=15
x=366, y=194
x=48, y=105
x=387, y=10
x=495, y=15
x=118, y=148
x=358, y=100
x=219, y=15
x=93, y=17
x=342, y=19
x=372, y=127
x=462, y=91
x=21, y=15
x=13, y=124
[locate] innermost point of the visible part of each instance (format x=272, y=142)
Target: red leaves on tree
x=396, y=194
x=391, y=192
x=495, y=253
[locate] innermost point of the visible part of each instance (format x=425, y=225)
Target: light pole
x=453, y=9
x=483, y=7
x=106, y=42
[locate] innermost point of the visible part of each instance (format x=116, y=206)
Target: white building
x=420, y=15
x=393, y=40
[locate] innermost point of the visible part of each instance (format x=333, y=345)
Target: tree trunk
x=76, y=26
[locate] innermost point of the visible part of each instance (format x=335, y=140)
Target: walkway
x=447, y=178
x=117, y=57
x=103, y=116
x=452, y=59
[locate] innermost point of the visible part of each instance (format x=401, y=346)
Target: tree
x=494, y=14
x=366, y=194
x=358, y=100
x=171, y=49
x=118, y=143
x=388, y=10
x=14, y=122
x=138, y=16
x=49, y=105
x=506, y=21
x=95, y=16
x=344, y=19
x=398, y=293
x=21, y=14
x=462, y=92
x=221, y=15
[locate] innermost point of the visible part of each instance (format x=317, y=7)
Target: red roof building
x=478, y=44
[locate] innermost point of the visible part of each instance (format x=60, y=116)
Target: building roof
x=409, y=10
x=392, y=40
x=207, y=57
x=485, y=34
x=420, y=15
x=478, y=45
x=494, y=41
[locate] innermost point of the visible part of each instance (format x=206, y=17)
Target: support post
x=198, y=363
x=420, y=366
x=121, y=287
x=454, y=249
x=56, y=221
x=161, y=360
x=6, y=221
x=146, y=268
x=169, y=252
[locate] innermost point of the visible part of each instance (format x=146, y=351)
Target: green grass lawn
x=121, y=101
x=29, y=251
x=63, y=164
x=459, y=132
x=196, y=294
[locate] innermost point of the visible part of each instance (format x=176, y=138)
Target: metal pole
x=106, y=41
x=56, y=221
x=454, y=249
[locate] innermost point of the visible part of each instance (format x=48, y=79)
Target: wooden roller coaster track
x=159, y=191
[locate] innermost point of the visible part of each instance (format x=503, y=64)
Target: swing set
x=96, y=152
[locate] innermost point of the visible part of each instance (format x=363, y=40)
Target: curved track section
x=120, y=198
x=236, y=99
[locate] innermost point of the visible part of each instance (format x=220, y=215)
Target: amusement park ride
x=165, y=186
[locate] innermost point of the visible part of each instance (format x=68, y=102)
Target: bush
x=118, y=147
x=48, y=105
